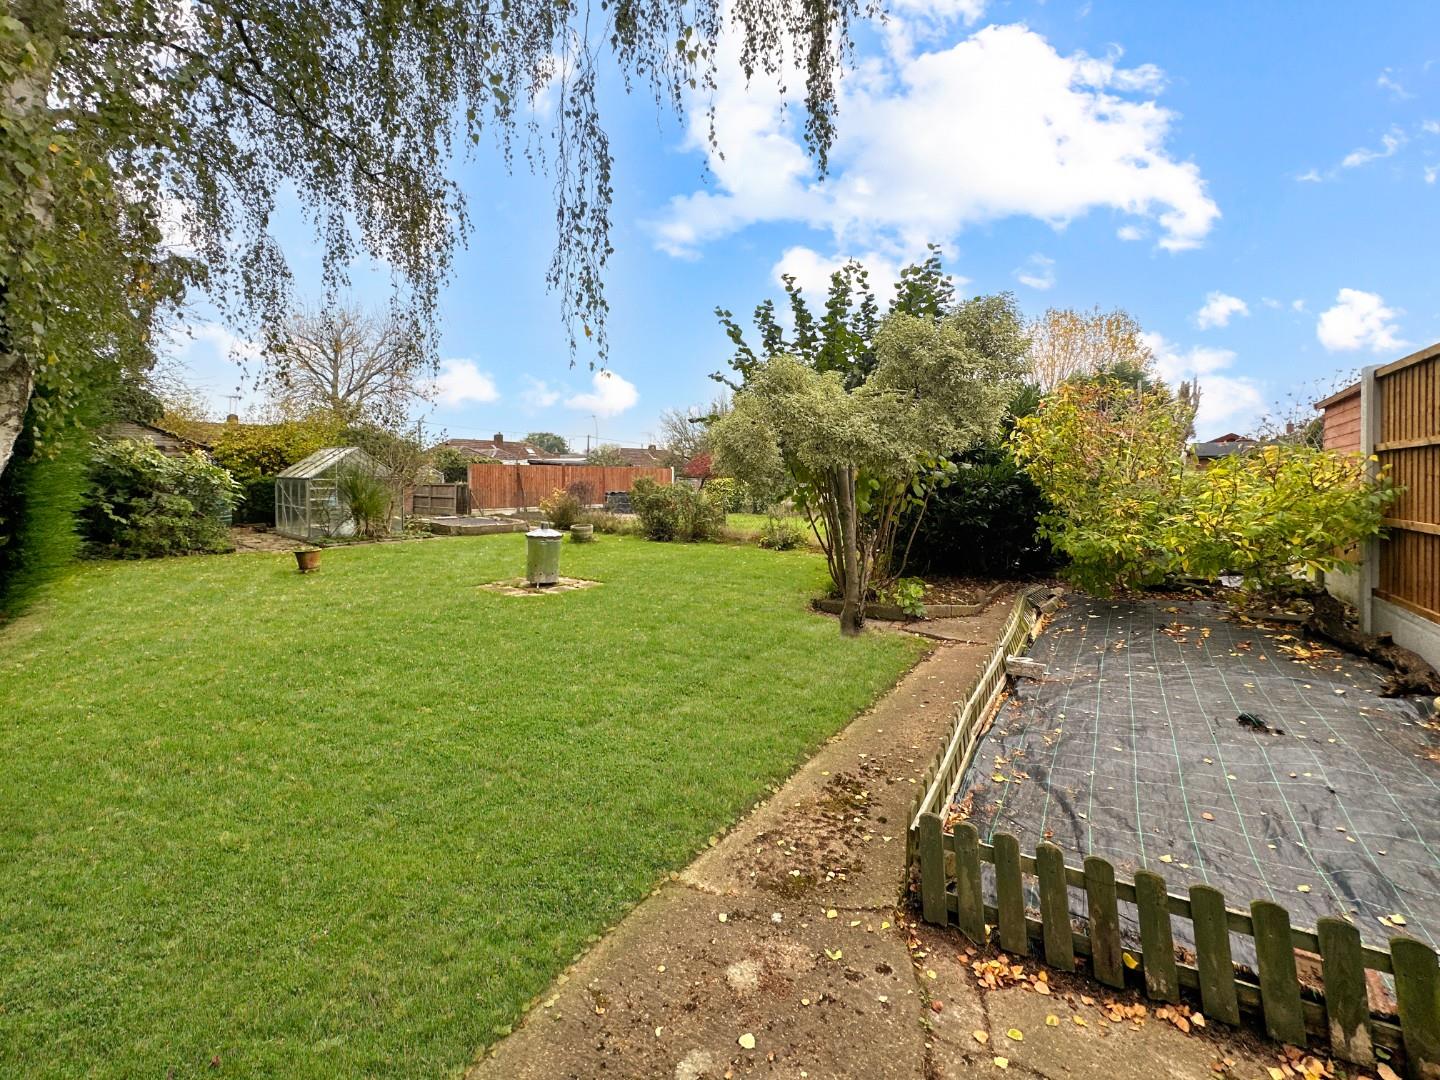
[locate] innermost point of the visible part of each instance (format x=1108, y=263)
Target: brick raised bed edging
x=892, y=613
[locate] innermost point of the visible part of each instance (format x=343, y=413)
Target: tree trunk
x=852, y=616
x=1411, y=674
x=23, y=95
x=16, y=383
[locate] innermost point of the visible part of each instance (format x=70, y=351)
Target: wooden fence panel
x=522, y=487
x=1408, y=444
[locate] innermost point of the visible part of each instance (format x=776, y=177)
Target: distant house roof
x=643, y=457
x=166, y=441
x=499, y=448
x=1224, y=446
x=1339, y=396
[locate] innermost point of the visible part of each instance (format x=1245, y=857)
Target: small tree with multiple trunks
x=860, y=444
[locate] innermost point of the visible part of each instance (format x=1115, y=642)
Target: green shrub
x=562, y=508
x=368, y=498
x=676, y=511
x=257, y=502
x=142, y=504
x=985, y=522
x=781, y=533
x=906, y=593
x=254, y=450
x=454, y=467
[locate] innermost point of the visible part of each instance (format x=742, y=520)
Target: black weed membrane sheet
x=1174, y=737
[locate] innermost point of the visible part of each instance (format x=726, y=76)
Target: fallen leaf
x=1130, y=961
x=982, y=1037
x=831, y=913
x=1167, y=858
x=1398, y=920
x=1002, y=1063
x=834, y=954
x=1015, y=1034
x=1052, y=1020
x=746, y=1041
x=1080, y=1021
x=1302, y=888
x=1208, y=816
x=1385, y=1072
x=722, y=916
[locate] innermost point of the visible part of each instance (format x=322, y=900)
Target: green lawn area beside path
x=747, y=527
x=254, y=823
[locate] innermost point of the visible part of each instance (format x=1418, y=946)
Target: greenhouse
x=340, y=491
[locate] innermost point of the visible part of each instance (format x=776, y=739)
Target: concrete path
x=783, y=950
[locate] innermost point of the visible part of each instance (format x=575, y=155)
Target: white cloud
x=1227, y=402
x=1218, y=310
x=611, y=395
x=1387, y=81
x=1297, y=305
x=1359, y=320
x=1310, y=176
x=460, y=381
x=1431, y=172
x=1430, y=127
x=812, y=271
x=223, y=341
x=1065, y=143
x=539, y=394
x=1038, y=272
x=1130, y=232
x=1390, y=142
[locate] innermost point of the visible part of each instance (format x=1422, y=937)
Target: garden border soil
x=892, y=612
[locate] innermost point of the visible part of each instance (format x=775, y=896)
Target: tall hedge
x=39, y=498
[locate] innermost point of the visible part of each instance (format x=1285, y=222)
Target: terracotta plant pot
x=308, y=560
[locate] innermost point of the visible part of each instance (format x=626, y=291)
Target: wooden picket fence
x=952, y=891
x=968, y=724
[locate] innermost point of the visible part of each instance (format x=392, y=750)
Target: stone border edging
x=892, y=612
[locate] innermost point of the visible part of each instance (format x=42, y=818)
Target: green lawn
x=747, y=526
x=349, y=824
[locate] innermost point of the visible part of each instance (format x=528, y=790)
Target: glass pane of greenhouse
x=309, y=503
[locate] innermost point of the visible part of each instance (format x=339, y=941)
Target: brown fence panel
x=439, y=500
x=1408, y=442
x=520, y=487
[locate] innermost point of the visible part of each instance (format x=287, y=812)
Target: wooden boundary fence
x=952, y=892
x=1407, y=439
x=521, y=487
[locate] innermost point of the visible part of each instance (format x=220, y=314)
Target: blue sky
x=1257, y=183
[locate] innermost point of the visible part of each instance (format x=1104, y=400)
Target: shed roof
x=328, y=458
